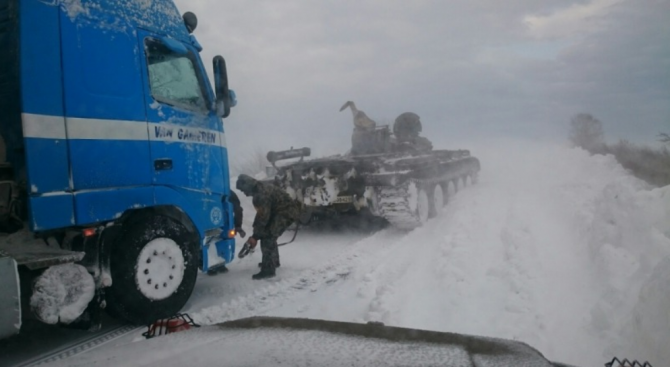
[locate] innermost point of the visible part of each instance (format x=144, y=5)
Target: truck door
x=105, y=115
x=186, y=136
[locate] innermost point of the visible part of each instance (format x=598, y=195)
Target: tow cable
x=246, y=249
x=295, y=234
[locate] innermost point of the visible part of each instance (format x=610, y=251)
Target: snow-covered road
x=552, y=247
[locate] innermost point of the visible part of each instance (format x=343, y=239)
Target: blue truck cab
x=115, y=149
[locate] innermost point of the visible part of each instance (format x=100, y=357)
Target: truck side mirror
x=190, y=21
x=225, y=98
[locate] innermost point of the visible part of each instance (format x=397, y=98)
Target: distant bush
x=650, y=165
x=586, y=131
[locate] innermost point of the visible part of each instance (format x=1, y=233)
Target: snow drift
x=553, y=247
x=556, y=248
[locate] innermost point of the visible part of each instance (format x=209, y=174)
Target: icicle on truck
x=116, y=166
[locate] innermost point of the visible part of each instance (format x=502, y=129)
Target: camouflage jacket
x=275, y=210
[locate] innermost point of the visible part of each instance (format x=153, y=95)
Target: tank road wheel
x=445, y=192
x=437, y=202
x=423, y=206
x=419, y=205
x=449, y=190
x=154, y=265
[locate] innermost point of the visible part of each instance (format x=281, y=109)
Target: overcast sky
x=468, y=68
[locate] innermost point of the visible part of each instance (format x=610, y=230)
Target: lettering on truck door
x=184, y=131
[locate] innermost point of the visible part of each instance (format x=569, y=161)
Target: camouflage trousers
x=270, y=252
x=269, y=246
x=277, y=226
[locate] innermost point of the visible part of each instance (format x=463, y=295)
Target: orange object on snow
x=179, y=322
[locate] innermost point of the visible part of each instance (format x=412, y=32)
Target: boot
x=264, y=274
x=217, y=269
x=260, y=265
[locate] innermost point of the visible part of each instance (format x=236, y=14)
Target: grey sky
x=468, y=68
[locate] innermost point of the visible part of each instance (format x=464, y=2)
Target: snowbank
x=554, y=247
x=629, y=239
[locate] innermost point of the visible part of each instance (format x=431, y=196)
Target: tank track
x=393, y=204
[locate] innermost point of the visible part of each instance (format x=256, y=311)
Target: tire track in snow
x=378, y=284
x=311, y=249
x=373, y=264
x=277, y=292
x=474, y=255
x=520, y=273
x=418, y=263
x=454, y=268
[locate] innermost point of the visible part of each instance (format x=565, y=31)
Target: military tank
x=399, y=178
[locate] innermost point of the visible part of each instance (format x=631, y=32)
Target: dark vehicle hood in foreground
x=271, y=341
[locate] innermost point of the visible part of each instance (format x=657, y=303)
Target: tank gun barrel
x=288, y=154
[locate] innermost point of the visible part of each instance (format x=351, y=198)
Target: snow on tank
x=393, y=180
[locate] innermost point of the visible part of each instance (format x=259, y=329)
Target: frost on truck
x=115, y=153
x=173, y=77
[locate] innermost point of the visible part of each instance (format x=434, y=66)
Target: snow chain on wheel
x=154, y=265
x=406, y=206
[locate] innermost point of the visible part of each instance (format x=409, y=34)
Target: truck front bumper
x=217, y=251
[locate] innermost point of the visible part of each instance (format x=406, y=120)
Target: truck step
x=34, y=253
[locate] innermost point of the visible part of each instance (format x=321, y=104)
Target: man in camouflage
x=275, y=211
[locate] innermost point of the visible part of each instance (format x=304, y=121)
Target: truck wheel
x=154, y=267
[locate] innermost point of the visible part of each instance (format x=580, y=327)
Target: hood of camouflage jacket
x=246, y=184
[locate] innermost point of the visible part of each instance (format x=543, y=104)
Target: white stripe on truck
x=54, y=127
x=43, y=126
x=97, y=129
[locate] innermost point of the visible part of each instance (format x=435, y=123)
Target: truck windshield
x=173, y=77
